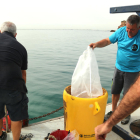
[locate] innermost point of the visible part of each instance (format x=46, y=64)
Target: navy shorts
x=123, y=80
x=16, y=103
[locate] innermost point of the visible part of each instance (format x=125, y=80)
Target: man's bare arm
x=129, y=104
x=101, y=43
x=24, y=75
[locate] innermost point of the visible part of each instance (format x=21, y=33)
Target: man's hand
x=92, y=45
x=100, y=44
x=101, y=131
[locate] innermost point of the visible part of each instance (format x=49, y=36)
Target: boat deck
x=41, y=129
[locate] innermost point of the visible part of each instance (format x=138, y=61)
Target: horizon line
x=64, y=29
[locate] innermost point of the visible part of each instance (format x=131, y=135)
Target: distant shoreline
x=112, y=31
x=123, y=23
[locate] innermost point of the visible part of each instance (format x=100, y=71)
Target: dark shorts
x=123, y=80
x=16, y=103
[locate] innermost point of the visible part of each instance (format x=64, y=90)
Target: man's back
x=13, y=59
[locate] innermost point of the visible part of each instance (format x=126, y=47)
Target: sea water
x=52, y=57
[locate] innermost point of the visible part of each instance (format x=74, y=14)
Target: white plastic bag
x=86, y=80
x=73, y=135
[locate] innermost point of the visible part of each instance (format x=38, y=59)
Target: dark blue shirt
x=13, y=59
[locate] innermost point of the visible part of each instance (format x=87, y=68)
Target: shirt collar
x=8, y=33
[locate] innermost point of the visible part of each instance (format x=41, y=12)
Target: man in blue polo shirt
x=127, y=65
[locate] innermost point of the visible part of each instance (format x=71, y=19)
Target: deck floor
x=41, y=129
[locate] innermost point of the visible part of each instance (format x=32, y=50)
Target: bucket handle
x=53, y=137
x=96, y=109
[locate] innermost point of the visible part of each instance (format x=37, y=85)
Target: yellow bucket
x=83, y=114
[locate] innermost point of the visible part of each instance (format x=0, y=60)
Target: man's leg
x=1, y=124
x=3, y=135
x=2, y=111
x=115, y=99
x=116, y=88
x=17, y=107
x=16, y=129
x=129, y=80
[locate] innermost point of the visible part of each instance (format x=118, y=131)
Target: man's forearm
x=103, y=43
x=129, y=103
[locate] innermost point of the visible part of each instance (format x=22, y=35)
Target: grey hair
x=134, y=19
x=9, y=27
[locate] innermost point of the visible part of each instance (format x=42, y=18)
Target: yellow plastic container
x=83, y=114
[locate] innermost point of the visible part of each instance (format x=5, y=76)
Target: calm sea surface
x=52, y=57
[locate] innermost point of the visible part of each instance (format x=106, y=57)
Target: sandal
x=108, y=114
x=126, y=120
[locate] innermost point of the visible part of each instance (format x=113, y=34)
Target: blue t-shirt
x=128, y=54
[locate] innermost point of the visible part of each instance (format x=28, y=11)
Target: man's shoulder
x=6, y=39
x=20, y=46
x=19, y=43
x=14, y=41
x=122, y=29
x=121, y=33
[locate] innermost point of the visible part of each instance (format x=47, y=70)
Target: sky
x=64, y=14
